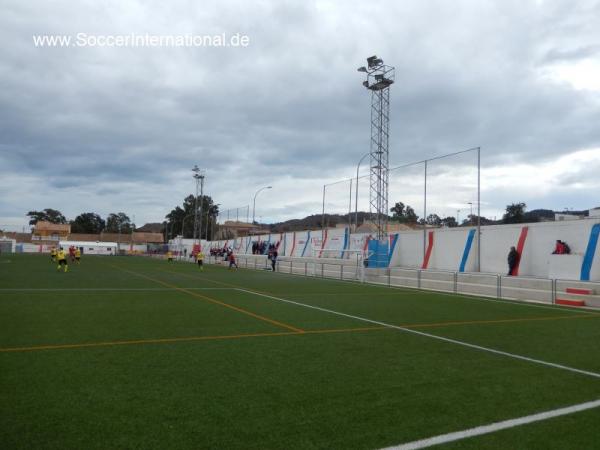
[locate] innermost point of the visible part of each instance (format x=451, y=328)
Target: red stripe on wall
x=366, y=246
x=428, y=252
x=323, y=244
x=293, y=245
x=520, y=247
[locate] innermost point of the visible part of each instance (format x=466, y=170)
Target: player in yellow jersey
x=62, y=260
x=53, y=254
x=77, y=255
x=169, y=256
x=200, y=260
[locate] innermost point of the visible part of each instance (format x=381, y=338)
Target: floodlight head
x=366, y=84
x=362, y=69
x=374, y=61
x=269, y=187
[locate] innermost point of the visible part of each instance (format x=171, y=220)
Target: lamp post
x=208, y=214
x=254, y=203
x=356, y=192
x=183, y=223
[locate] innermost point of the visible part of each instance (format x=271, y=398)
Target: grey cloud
x=291, y=103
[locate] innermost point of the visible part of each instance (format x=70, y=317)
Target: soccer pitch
x=132, y=352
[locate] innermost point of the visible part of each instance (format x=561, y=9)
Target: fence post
x=455, y=282
x=341, y=271
x=554, y=291
x=291, y=266
x=322, y=270
x=389, y=271
x=305, y=268
x=499, y=286
x=254, y=263
x=419, y=278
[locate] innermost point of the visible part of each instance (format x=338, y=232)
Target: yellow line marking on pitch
x=217, y=302
x=184, y=339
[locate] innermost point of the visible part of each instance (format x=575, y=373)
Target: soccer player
x=78, y=255
x=200, y=260
x=62, y=260
x=169, y=256
x=53, y=254
x=232, y=260
x=72, y=253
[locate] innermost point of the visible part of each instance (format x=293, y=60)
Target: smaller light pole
x=254, y=203
x=356, y=192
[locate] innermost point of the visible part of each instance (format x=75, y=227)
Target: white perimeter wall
x=449, y=247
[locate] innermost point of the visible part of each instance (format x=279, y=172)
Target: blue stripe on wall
x=346, y=240
x=588, y=259
x=306, y=243
x=467, y=250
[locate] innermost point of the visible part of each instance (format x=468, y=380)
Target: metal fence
x=542, y=290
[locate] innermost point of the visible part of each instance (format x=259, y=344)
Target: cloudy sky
x=109, y=128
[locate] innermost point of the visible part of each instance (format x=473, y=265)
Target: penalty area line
x=493, y=427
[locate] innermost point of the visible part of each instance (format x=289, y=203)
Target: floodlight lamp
x=371, y=61
x=362, y=69
x=366, y=84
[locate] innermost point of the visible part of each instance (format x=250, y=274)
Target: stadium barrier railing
x=521, y=288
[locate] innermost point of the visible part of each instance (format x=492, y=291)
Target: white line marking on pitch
x=432, y=336
x=493, y=427
x=110, y=289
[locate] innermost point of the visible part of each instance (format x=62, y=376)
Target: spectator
x=513, y=260
x=561, y=248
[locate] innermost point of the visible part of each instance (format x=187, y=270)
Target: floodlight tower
x=199, y=177
x=379, y=79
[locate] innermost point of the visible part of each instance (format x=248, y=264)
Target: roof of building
x=237, y=224
x=52, y=227
x=151, y=238
x=22, y=238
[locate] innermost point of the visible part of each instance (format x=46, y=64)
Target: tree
x=472, y=220
x=90, y=223
x=434, y=220
x=403, y=214
x=118, y=223
x=47, y=215
x=515, y=213
x=184, y=216
x=449, y=222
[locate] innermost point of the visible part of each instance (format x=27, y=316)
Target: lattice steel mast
x=199, y=177
x=379, y=79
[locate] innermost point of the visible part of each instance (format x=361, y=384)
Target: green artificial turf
x=132, y=352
